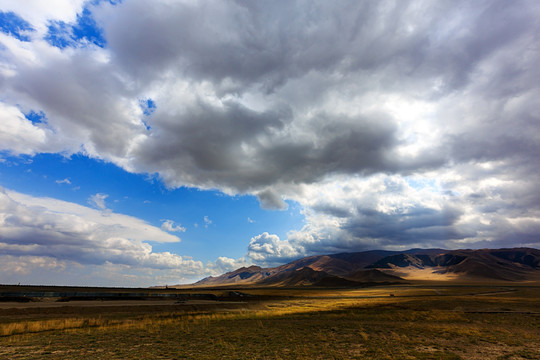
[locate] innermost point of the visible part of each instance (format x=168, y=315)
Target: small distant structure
x=391, y=295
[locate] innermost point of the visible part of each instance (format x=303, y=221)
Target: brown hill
x=336, y=264
x=379, y=266
x=307, y=276
x=520, y=264
x=300, y=277
x=372, y=276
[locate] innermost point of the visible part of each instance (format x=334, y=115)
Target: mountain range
x=390, y=267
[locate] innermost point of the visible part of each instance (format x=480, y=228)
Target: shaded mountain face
x=503, y=264
x=527, y=257
x=303, y=276
x=382, y=267
x=372, y=276
x=419, y=260
x=336, y=265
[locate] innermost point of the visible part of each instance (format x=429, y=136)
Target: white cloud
x=48, y=241
x=43, y=270
x=225, y=264
x=268, y=249
x=33, y=226
x=19, y=136
x=40, y=13
x=98, y=200
x=64, y=181
x=169, y=225
x=207, y=221
x=17, y=266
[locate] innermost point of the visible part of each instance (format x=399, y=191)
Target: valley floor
x=405, y=322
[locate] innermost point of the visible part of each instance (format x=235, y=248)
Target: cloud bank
x=55, y=234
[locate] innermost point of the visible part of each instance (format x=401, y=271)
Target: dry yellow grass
x=46, y=325
x=186, y=319
x=445, y=324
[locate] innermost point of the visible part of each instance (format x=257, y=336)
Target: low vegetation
x=420, y=322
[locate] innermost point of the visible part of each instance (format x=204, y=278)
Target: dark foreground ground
x=401, y=322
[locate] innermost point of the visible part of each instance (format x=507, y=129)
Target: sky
x=149, y=143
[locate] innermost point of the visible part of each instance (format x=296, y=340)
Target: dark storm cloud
x=267, y=43
x=382, y=213
x=270, y=200
x=236, y=148
x=415, y=225
x=275, y=52
x=401, y=46
x=510, y=136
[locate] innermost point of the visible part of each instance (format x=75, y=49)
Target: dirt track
x=99, y=303
x=43, y=310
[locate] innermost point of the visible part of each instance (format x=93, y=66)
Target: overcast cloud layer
x=395, y=124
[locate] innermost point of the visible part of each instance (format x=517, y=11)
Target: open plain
x=406, y=321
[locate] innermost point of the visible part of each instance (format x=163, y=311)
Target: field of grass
x=417, y=322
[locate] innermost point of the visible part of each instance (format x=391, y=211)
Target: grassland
x=417, y=322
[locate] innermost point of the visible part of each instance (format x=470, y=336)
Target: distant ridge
x=386, y=267
x=517, y=264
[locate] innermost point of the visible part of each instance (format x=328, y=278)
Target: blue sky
x=144, y=145
x=215, y=224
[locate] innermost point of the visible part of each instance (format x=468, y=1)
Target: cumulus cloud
x=225, y=264
x=450, y=210
x=269, y=248
x=19, y=136
x=391, y=123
